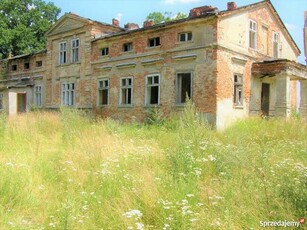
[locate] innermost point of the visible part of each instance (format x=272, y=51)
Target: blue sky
x=290, y=11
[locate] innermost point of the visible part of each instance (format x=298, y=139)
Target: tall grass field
x=68, y=171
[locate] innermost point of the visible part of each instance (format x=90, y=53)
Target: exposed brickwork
x=217, y=50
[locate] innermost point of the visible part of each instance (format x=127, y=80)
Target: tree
x=23, y=24
x=159, y=17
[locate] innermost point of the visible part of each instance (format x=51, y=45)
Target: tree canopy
x=159, y=17
x=23, y=24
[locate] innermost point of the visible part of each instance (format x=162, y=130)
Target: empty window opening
x=154, y=42
x=127, y=47
x=238, y=90
x=103, y=92
x=184, y=87
x=152, y=90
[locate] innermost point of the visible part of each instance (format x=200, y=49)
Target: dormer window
x=38, y=64
x=252, y=34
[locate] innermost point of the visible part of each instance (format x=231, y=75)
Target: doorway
x=265, y=99
x=21, y=102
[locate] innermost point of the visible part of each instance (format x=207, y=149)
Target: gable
x=265, y=11
x=67, y=23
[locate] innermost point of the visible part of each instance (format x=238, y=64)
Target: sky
x=290, y=11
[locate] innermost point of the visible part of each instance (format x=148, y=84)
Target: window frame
x=104, y=51
x=179, y=99
x=39, y=64
x=276, y=44
x=238, y=86
x=99, y=88
x=68, y=93
x=129, y=46
x=63, y=53
x=156, y=42
x=126, y=87
x=38, y=95
x=75, y=50
x=147, y=86
x=14, y=67
x=26, y=65
x=186, y=37
x=252, y=34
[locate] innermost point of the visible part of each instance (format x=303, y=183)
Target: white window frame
x=179, y=99
x=68, y=93
x=102, y=87
x=252, y=35
x=238, y=90
x=276, y=44
x=38, y=95
x=187, y=36
x=104, y=51
x=62, y=53
x=125, y=85
x=75, y=50
x=1, y=101
x=150, y=85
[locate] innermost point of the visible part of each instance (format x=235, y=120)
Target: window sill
x=238, y=106
x=152, y=106
x=184, y=42
x=102, y=106
x=152, y=47
x=125, y=106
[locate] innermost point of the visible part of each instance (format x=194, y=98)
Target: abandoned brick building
x=231, y=63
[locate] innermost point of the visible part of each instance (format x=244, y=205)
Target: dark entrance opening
x=21, y=102
x=265, y=99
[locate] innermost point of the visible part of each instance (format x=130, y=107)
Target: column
x=303, y=102
x=283, y=104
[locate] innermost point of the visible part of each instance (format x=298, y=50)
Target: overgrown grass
x=65, y=171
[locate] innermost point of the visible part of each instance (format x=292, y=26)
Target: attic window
x=184, y=37
x=14, y=67
x=154, y=42
x=276, y=45
x=127, y=47
x=39, y=63
x=104, y=51
x=26, y=65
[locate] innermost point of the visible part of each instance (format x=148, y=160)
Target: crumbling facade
x=231, y=63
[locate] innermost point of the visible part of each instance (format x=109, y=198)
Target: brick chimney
x=148, y=23
x=131, y=26
x=202, y=10
x=231, y=6
x=115, y=22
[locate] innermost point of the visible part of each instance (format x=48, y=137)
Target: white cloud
x=179, y=1
x=290, y=26
x=119, y=16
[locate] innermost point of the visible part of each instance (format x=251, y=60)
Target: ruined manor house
x=232, y=64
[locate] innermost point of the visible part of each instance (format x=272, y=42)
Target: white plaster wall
x=228, y=114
